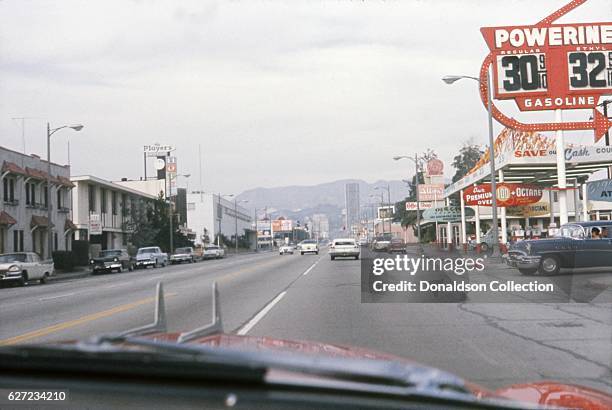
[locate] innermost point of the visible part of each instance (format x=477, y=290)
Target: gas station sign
x=507, y=194
x=550, y=66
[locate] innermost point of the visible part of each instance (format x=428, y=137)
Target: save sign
x=507, y=194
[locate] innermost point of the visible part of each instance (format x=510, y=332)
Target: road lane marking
x=58, y=296
x=311, y=268
x=245, y=329
x=76, y=322
x=260, y=315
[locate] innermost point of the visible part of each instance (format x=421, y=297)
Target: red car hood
x=545, y=393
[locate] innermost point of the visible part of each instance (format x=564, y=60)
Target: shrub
x=63, y=260
x=80, y=251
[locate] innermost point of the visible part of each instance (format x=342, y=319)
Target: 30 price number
x=590, y=70
x=522, y=73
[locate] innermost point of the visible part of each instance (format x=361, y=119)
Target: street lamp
x=417, y=164
x=236, y=221
x=388, y=204
x=450, y=79
x=50, y=132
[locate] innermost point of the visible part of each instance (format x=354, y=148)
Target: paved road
x=312, y=298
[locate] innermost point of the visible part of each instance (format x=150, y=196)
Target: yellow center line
x=76, y=322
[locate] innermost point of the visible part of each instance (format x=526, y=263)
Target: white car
x=181, y=255
x=309, y=246
x=21, y=267
x=213, y=252
x=285, y=249
x=151, y=256
x=346, y=248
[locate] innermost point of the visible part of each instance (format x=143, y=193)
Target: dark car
x=397, y=245
x=112, y=260
x=576, y=246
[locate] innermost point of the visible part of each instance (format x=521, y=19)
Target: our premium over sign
x=507, y=194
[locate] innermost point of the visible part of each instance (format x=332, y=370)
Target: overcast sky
x=275, y=92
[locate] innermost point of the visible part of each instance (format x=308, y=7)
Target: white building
x=115, y=206
x=209, y=214
x=320, y=226
x=25, y=199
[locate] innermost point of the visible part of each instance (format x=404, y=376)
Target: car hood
x=5, y=266
x=543, y=392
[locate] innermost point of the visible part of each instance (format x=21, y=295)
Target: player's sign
x=550, y=66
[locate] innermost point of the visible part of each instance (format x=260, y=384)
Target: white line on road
x=57, y=297
x=311, y=268
x=245, y=329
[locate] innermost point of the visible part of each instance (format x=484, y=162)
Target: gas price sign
x=550, y=66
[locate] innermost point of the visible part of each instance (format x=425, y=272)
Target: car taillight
x=332, y=246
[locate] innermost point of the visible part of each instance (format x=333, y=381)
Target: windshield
x=331, y=165
x=105, y=254
x=571, y=231
x=13, y=257
x=147, y=250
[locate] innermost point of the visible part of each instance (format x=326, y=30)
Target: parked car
x=287, y=248
x=21, y=267
x=213, y=252
x=309, y=246
x=576, y=246
x=381, y=244
x=397, y=245
x=181, y=255
x=345, y=247
x=151, y=256
x=112, y=259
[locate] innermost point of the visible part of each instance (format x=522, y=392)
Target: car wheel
x=527, y=272
x=317, y=252
x=120, y=269
x=332, y=257
x=550, y=265
x=302, y=253
x=44, y=278
x=357, y=257
x=23, y=279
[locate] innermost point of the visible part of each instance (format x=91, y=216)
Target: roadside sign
x=600, y=190
x=447, y=214
x=412, y=206
x=508, y=194
x=549, y=66
x=95, y=225
x=431, y=192
x=157, y=149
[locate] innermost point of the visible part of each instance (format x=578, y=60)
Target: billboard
x=447, y=214
x=386, y=212
x=282, y=225
x=528, y=211
x=435, y=167
x=157, y=149
x=508, y=194
x=600, y=190
x=430, y=192
x=95, y=225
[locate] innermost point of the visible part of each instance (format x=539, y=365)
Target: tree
x=469, y=154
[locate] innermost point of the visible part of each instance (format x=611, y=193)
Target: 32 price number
x=590, y=70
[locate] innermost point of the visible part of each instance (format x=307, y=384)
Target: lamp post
x=382, y=220
x=236, y=222
x=450, y=79
x=417, y=168
x=388, y=202
x=50, y=132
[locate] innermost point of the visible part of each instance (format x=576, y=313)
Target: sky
x=272, y=92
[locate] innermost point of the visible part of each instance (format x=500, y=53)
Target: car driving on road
x=397, y=245
x=309, y=246
x=381, y=244
x=213, y=252
x=286, y=248
x=344, y=248
x=112, y=260
x=151, y=256
x=21, y=267
x=182, y=255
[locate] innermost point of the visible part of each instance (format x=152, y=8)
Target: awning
x=65, y=181
x=12, y=168
x=39, y=222
x=6, y=219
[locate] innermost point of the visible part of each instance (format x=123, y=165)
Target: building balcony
x=11, y=202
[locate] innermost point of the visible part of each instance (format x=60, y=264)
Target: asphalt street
x=313, y=298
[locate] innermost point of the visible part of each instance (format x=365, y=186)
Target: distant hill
x=312, y=197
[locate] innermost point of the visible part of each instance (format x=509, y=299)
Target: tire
x=302, y=253
x=332, y=257
x=527, y=272
x=317, y=252
x=120, y=269
x=44, y=278
x=23, y=279
x=357, y=257
x=550, y=265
